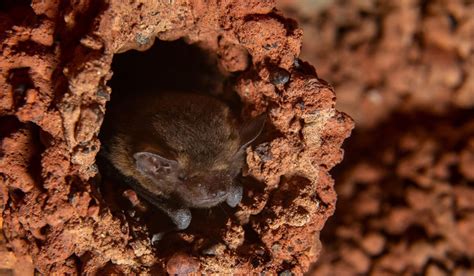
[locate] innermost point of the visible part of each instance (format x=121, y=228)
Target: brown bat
x=181, y=151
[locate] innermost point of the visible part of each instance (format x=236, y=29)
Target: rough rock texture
x=55, y=62
x=404, y=71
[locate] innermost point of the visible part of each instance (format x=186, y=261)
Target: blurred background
x=404, y=71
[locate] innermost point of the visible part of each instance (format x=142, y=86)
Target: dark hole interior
x=20, y=80
x=8, y=126
x=169, y=66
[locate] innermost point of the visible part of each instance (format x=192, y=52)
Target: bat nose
x=219, y=193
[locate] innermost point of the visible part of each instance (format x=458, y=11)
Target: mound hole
x=166, y=67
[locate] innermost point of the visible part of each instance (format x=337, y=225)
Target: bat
x=181, y=150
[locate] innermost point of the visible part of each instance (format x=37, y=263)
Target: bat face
x=201, y=182
x=206, y=190
x=193, y=188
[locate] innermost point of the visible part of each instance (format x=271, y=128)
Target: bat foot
x=235, y=196
x=180, y=217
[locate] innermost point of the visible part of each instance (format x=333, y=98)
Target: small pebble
x=181, y=264
x=214, y=249
x=263, y=151
x=141, y=39
x=279, y=76
x=103, y=94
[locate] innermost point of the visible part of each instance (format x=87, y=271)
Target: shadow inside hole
x=167, y=66
x=20, y=13
x=17, y=195
x=10, y=125
x=20, y=80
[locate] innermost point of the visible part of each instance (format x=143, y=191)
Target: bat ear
x=153, y=165
x=251, y=130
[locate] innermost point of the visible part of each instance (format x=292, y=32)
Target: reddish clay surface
x=55, y=65
x=404, y=71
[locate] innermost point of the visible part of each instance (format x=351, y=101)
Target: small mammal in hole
x=180, y=151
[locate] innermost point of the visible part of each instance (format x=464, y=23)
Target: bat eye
x=182, y=177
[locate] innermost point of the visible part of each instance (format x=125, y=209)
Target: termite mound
x=55, y=67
